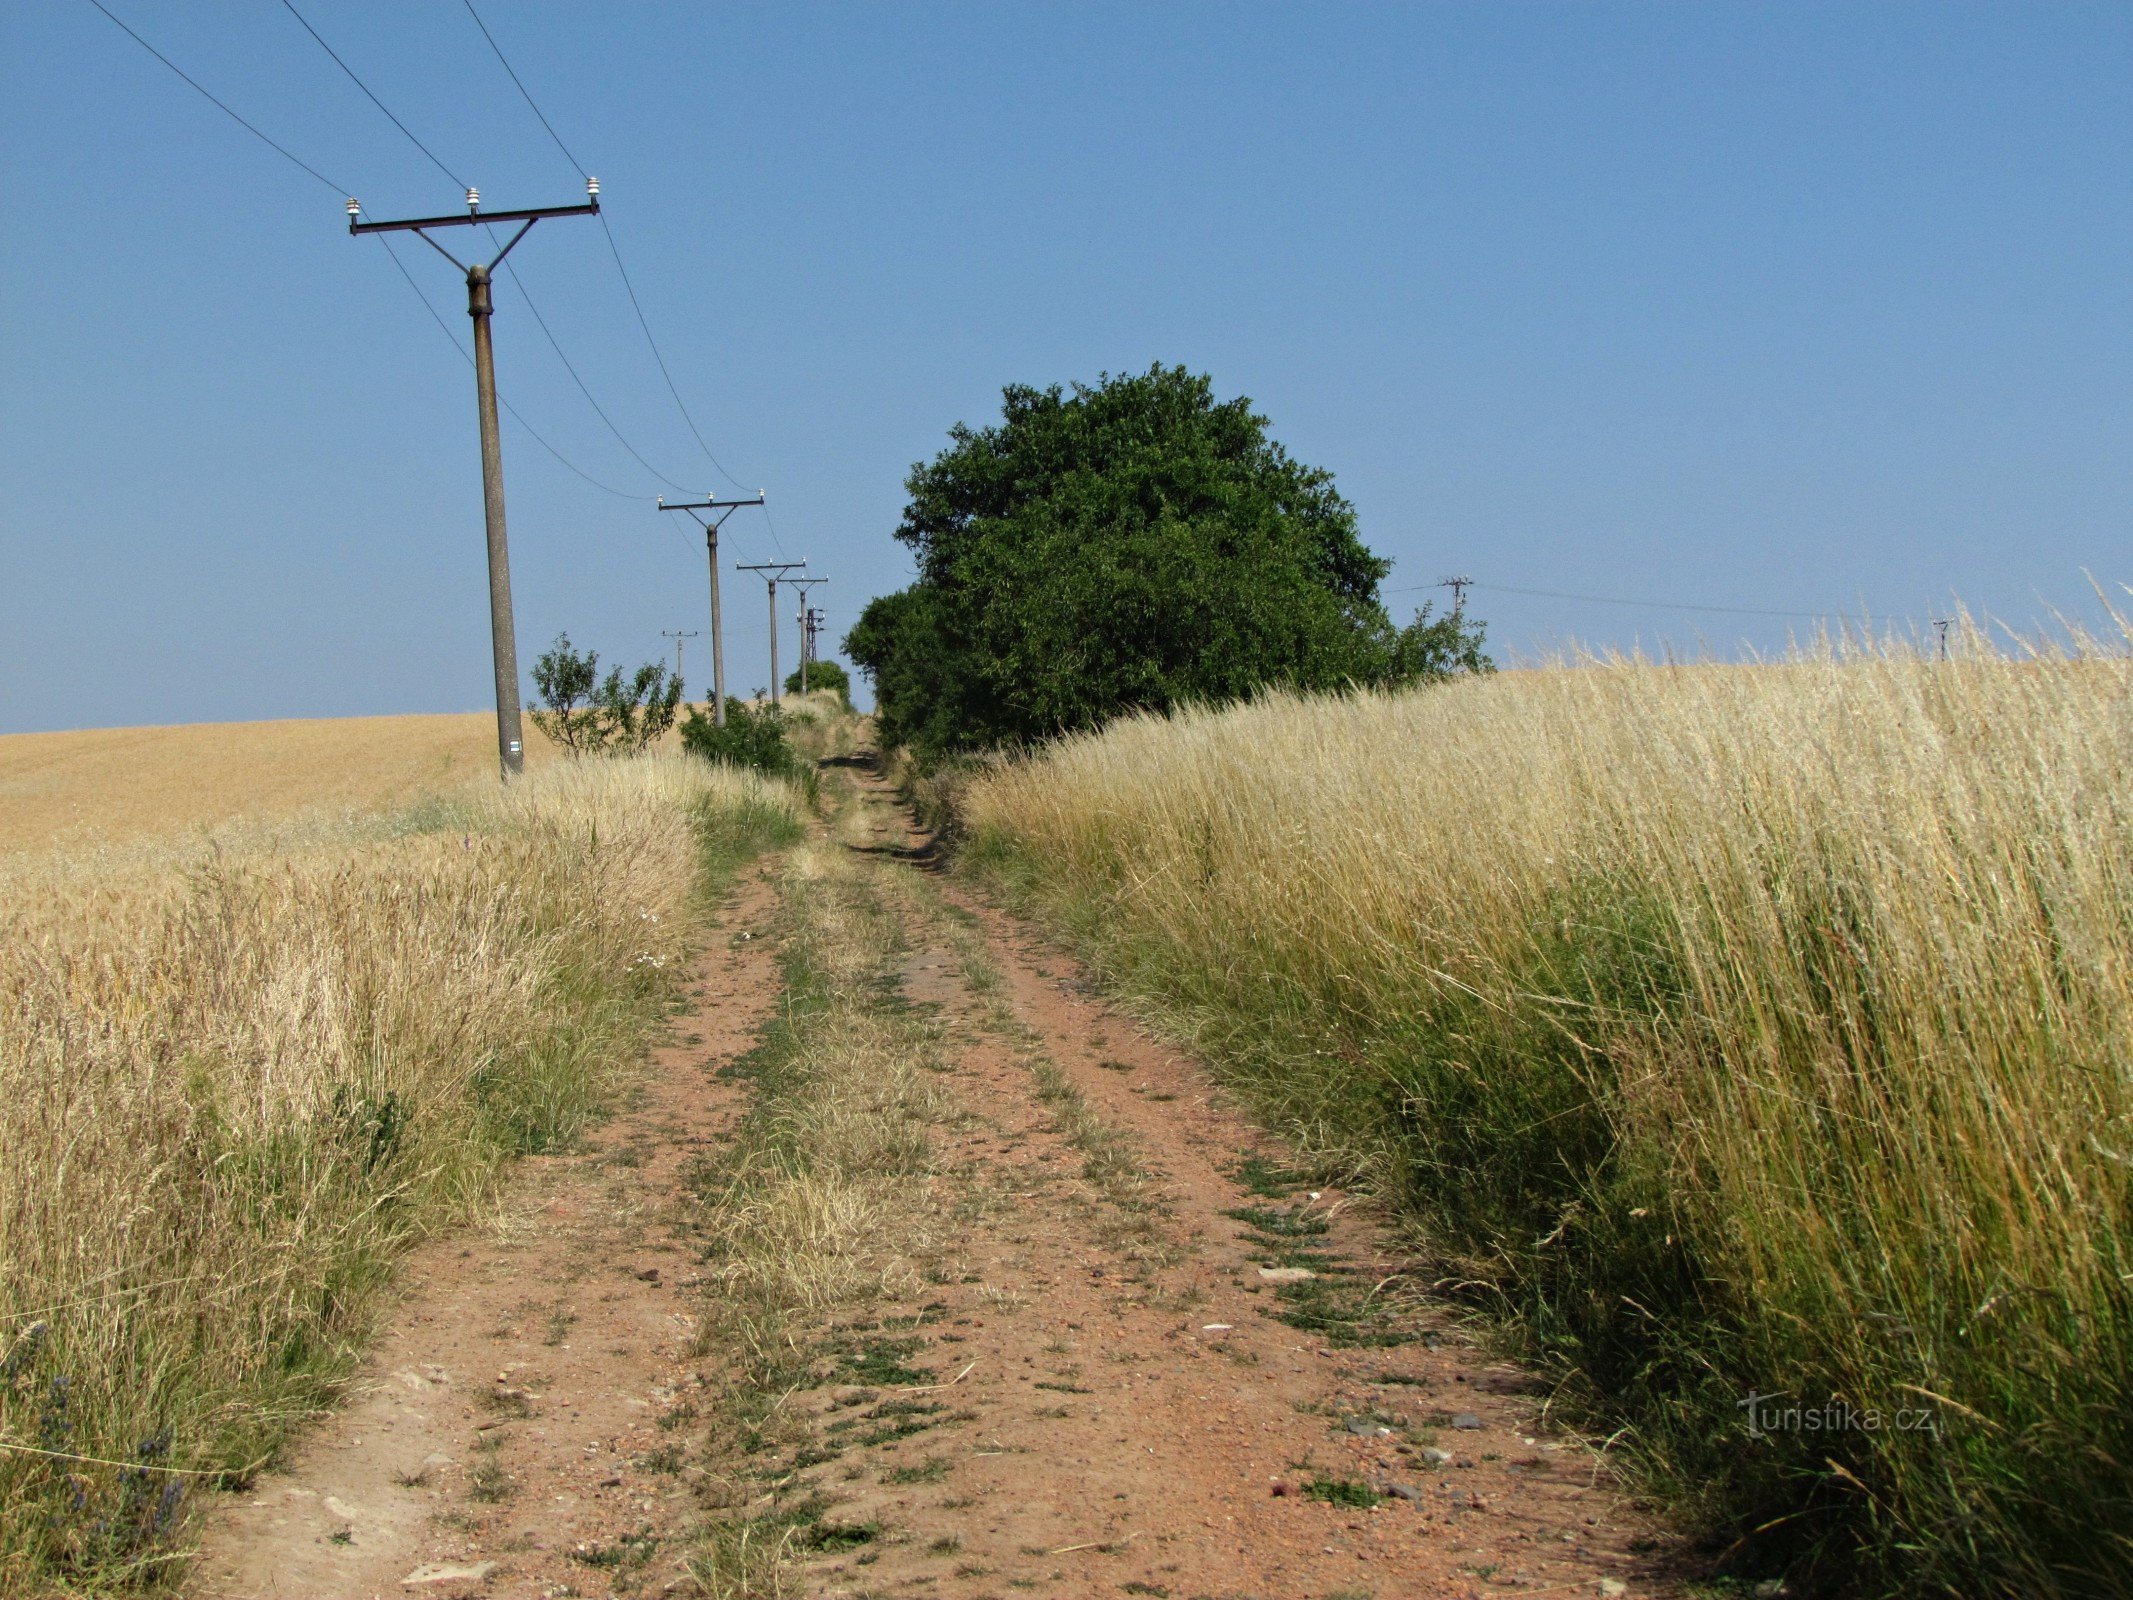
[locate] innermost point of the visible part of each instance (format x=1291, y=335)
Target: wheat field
x=117, y=785
x=1760, y=1035
x=263, y=1023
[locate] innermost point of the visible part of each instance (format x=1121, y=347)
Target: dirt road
x=918, y=1268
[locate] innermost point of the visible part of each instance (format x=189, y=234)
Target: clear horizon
x=1780, y=310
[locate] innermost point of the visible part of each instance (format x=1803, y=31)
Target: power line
x=446, y=329
x=217, y=103
x=598, y=409
x=614, y=248
x=541, y=321
x=523, y=90
x=1618, y=600
x=631, y=289
x=374, y=100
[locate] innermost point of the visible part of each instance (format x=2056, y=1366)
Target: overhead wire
x=542, y=322
x=217, y=103
x=295, y=160
x=615, y=249
x=465, y=355
x=524, y=91
x=1619, y=600
x=374, y=100
x=598, y=410
x=444, y=327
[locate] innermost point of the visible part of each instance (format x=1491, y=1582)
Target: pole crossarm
x=719, y=511
x=473, y=218
x=725, y=508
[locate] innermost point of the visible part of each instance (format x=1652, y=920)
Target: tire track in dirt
x=1134, y=1350
x=1131, y=1413
x=506, y=1429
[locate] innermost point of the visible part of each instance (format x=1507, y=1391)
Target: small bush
x=822, y=675
x=754, y=736
x=587, y=715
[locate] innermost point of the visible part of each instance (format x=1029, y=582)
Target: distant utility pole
x=803, y=585
x=814, y=620
x=772, y=571
x=677, y=637
x=720, y=510
x=1459, y=587
x=503, y=638
x=1941, y=626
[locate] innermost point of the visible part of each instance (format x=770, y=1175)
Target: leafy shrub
x=586, y=714
x=823, y=675
x=754, y=736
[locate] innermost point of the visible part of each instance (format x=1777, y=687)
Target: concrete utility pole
x=721, y=510
x=772, y=571
x=503, y=638
x=1459, y=587
x=677, y=637
x=806, y=653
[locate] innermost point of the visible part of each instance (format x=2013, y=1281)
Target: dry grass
x=243, y=1071
x=1755, y=1029
x=817, y=1205
x=822, y=1201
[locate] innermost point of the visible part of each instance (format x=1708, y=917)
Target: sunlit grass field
x=263, y=1023
x=1738, y=1030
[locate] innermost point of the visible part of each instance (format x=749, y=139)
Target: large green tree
x=1135, y=543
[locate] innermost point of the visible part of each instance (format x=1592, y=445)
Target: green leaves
x=586, y=714
x=1131, y=545
x=822, y=675
x=753, y=736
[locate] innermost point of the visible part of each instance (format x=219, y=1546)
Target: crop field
x=278, y=1000
x=1757, y=1039
x=105, y=786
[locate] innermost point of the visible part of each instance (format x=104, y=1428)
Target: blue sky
x=1795, y=308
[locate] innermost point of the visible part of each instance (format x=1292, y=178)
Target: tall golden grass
x=238, y=1075
x=1756, y=1030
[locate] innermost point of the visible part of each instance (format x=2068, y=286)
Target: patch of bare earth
x=521, y=1424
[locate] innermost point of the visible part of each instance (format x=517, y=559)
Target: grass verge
x=1762, y=1035
x=819, y=1203
x=242, y=1079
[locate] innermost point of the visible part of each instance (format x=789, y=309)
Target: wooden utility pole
x=503, y=638
x=720, y=510
x=772, y=571
x=1459, y=587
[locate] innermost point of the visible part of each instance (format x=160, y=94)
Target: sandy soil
x=1112, y=1400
